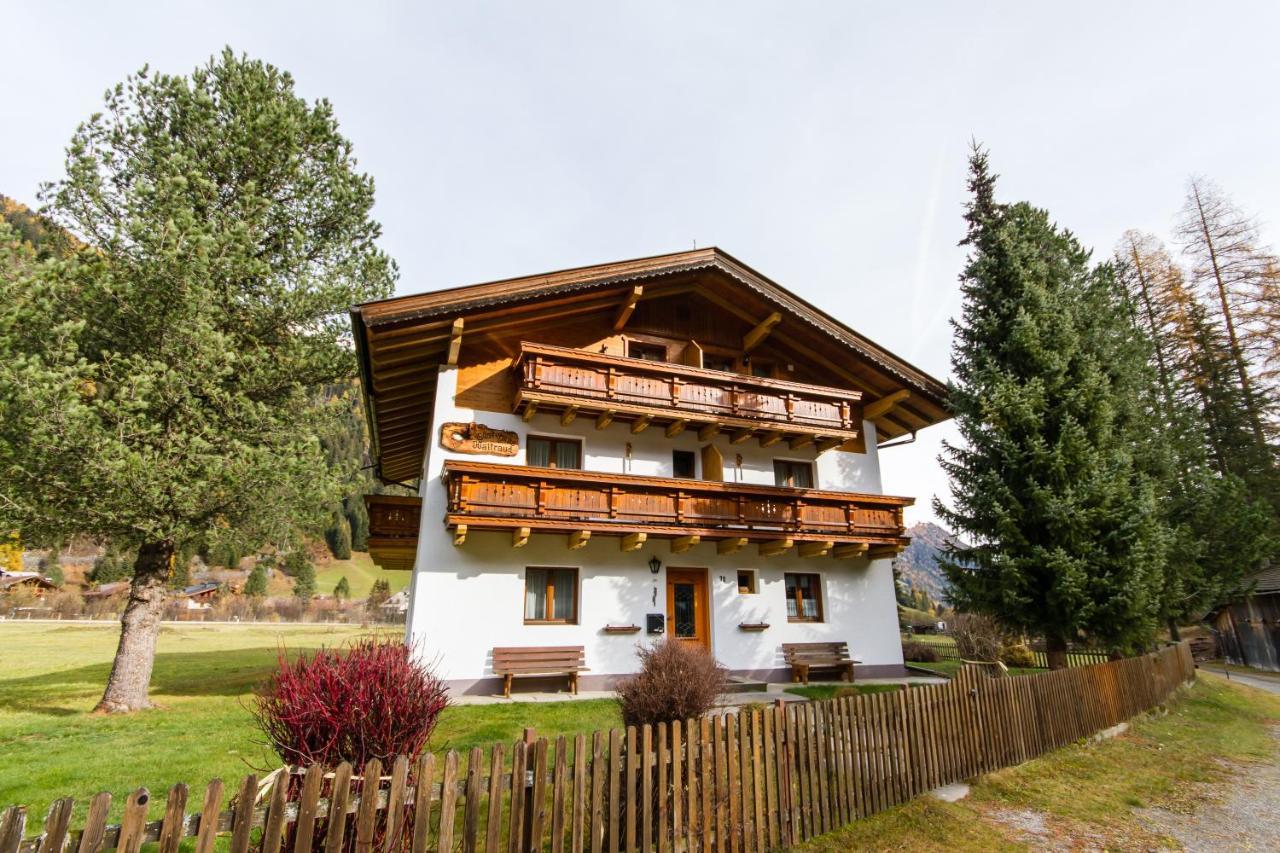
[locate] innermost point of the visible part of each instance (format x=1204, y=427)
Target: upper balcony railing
x=551, y=378
x=486, y=496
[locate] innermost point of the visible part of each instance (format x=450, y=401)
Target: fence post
x=530, y=738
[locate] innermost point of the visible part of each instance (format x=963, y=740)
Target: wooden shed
x=1249, y=627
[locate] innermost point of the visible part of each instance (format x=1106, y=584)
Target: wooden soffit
x=402, y=342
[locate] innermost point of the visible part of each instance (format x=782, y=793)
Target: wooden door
x=688, y=607
x=712, y=464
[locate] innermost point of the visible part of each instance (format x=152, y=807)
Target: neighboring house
x=198, y=596
x=107, y=590
x=10, y=581
x=672, y=444
x=1249, y=627
x=396, y=605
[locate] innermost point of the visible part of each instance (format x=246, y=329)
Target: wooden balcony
x=393, y=529
x=583, y=504
x=574, y=382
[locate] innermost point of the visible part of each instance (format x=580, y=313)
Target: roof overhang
x=401, y=342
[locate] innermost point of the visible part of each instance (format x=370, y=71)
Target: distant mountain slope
x=918, y=564
x=44, y=236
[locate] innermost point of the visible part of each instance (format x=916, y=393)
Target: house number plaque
x=479, y=439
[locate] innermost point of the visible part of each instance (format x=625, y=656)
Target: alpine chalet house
x=672, y=446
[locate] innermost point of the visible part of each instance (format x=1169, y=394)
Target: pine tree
x=110, y=567
x=162, y=384
x=1065, y=532
x=255, y=586
x=304, y=581
x=378, y=595
x=342, y=589
x=338, y=536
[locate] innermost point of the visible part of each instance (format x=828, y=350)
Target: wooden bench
x=511, y=661
x=802, y=657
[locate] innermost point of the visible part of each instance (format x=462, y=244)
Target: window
x=712, y=361
x=647, y=352
x=682, y=464
x=762, y=369
x=804, y=598
x=551, y=596
x=544, y=452
x=746, y=581
x=794, y=475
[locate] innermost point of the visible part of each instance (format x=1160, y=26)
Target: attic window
x=646, y=352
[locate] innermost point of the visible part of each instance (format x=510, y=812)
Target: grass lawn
x=52, y=746
x=360, y=573
x=1087, y=793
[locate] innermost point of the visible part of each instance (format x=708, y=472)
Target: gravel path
x=1243, y=814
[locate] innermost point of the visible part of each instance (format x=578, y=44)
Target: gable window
x=550, y=596
x=762, y=369
x=804, y=597
x=543, y=452
x=683, y=464
x=793, y=475
x=647, y=352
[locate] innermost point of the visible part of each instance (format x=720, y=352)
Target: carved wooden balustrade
x=393, y=529
x=484, y=496
x=571, y=381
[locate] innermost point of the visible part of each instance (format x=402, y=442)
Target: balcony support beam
x=800, y=441
x=530, y=409
x=641, y=424
x=567, y=416
x=769, y=439
x=459, y=534
x=775, y=547
x=849, y=552
x=519, y=537
x=877, y=552
x=815, y=549
x=732, y=545
x=605, y=418
x=676, y=427
x=827, y=443
x=628, y=306
x=708, y=432
x=683, y=543
x=633, y=541
x=741, y=435
x=578, y=539
x=756, y=336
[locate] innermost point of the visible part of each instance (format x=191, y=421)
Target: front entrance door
x=688, y=607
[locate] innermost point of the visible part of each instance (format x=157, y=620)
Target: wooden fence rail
x=944, y=646
x=766, y=777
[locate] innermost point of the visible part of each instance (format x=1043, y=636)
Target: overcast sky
x=823, y=144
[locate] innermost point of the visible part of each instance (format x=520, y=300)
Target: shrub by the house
x=371, y=700
x=676, y=681
x=919, y=653
x=977, y=636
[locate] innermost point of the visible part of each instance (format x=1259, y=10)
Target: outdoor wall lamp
x=655, y=565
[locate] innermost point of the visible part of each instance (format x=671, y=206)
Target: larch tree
x=1230, y=268
x=1066, y=538
x=161, y=386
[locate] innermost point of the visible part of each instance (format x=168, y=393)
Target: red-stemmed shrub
x=369, y=700
x=676, y=681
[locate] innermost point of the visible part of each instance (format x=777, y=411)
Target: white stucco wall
x=466, y=600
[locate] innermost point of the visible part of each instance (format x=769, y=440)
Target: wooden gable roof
x=402, y=341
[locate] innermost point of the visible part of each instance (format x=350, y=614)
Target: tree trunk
x=1174, y=635
x=1055, y=651
x=139, y=627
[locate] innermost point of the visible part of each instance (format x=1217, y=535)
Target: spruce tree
x=255, y=586
x=342, y=589
x=1066, y=538
x=304, y=581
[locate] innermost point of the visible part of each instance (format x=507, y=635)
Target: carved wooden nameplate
x=479, y=439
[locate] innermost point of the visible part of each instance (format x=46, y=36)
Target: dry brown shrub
x=676, y=682
x=977, y=637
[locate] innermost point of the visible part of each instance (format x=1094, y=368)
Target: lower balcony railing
x=525, y=500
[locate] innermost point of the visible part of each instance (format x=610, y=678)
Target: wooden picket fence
x=763, y=778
